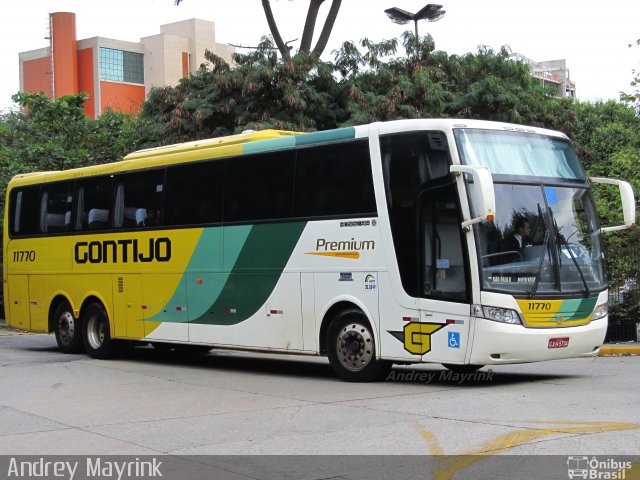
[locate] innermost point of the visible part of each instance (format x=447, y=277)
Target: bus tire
x=351, y=348
x=67, y=329
x=97, y=332
x=462, y=368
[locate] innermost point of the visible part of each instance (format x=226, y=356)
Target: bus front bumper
x=497, y=343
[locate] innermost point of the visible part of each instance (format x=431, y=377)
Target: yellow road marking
x=447, y=467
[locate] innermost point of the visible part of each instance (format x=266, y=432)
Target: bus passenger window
x=334, y=179
x=259, y=187
x=55, y=207
x=24, y=207
x=93, y=202
x=194, y=193
x=138, y=199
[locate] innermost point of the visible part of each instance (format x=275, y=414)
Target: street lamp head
x=399, y=16
x=430, y=12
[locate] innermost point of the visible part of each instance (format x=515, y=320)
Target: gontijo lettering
x=125, y=250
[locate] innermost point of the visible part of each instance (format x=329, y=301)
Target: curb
x=608, y=350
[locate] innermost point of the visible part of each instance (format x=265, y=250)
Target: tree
x=57, y=135
x=633, y=97
x=307, y=31
x=607, y=137
x=304, y=93
x=260, y=91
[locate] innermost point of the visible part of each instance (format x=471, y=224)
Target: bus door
x=444, y=281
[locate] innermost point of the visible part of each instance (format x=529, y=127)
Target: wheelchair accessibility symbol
x=454, y=339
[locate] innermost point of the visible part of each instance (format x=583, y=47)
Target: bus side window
x=93, y=201
x=55, y=207
x=194, y=192
x=24, y=208
x=259, y=187
x=138, y=199
x=334, y=179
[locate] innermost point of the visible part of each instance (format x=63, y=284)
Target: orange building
x=116, y=74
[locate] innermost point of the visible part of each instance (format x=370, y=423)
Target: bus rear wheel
x=97, y=334
x=67, y=329
x=351, y=349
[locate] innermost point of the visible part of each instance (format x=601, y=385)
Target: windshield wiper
x=545, y=243
x=562, y=241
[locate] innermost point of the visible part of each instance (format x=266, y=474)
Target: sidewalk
x=614, y=349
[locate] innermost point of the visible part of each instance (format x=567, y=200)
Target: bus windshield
x=545, y=237
x=519, y=153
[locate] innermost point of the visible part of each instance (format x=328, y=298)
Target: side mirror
x=628, y=203
x=486, y=198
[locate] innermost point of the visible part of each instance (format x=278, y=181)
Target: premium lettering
x=323, y=244
x=123, y=251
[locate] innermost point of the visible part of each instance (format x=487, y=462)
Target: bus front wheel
x=67, y=329
x=351, y=349
x=97, y=334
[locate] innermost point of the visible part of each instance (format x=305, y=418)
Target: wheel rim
x=66, y=327
x=354, y=347
x=95, y=331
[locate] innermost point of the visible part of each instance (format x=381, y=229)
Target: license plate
x=561, y=342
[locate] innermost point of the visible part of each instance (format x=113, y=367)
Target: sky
x=592, y=36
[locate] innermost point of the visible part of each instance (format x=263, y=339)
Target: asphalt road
x=229, y=403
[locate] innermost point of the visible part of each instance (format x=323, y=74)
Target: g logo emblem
x=417, y=336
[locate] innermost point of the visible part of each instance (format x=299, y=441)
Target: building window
x=121, y=66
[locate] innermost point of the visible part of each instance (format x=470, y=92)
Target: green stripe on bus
x=269, y=145
x=328, y=136
x=255, y=274
x=585, y=307
x=209, y=263
x=577, y=308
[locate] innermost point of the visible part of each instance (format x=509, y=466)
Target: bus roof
x=259, y=141
x=209, y=143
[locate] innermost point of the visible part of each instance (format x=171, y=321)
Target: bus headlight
x=600, y=311
x=503, y=315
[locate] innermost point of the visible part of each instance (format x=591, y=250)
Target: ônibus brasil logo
x=595, y=468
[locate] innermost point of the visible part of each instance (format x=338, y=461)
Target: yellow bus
x=377, y=244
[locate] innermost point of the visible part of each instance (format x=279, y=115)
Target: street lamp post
x=430, y=13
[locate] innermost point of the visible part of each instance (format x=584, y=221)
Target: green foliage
x=260, y=91
x=607, y=137
x=56, y=135
x=303, y=93
x=633, y=96
x=601, y=129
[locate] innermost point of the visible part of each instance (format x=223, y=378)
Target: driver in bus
x=521, y=236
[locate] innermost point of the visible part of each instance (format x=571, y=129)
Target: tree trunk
x=284, y=50
x=328, y=26
x=310, y=25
